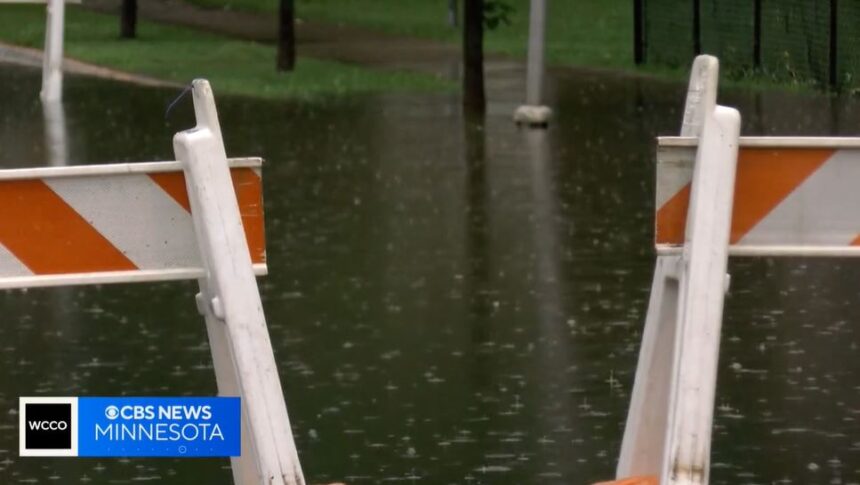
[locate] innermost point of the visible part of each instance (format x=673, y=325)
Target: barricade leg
x=642, y=447
x=648, y=417
x=52, y=60
x=668, y=431
x=244, y=467
x=667, y=435
x=230, y=299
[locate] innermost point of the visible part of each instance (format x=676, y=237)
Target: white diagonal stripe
x=674, y=172
x=10, y=265
x=136, y=215
x=823, y=210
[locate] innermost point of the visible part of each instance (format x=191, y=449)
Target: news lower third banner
x=130, y=426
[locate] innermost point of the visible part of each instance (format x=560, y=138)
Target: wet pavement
x=29, y=57
x=450, y=300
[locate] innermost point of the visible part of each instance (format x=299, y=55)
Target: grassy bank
x=587, y=33
x=579, y=32
x=177, y=54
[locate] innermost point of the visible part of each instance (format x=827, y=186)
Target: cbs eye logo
x=48, y=426
x=111, y=412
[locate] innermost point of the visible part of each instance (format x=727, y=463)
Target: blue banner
x=159, y=426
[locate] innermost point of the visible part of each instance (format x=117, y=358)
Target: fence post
x=834, y=44
x=230, y=301
x=52, y=63
x=757, y=34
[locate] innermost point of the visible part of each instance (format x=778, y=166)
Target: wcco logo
x=48, y=426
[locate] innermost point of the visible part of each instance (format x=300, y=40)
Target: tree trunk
x=128, y=19
x=473, y=55
x=639, y=31
x=286, y=36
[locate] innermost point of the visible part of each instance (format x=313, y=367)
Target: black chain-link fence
x=848, y=43
x=805, y=41
x=727, y=31
x=668, y=31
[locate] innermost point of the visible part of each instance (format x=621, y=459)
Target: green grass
x=177, y=54
x=579, y=32
x=585, y=33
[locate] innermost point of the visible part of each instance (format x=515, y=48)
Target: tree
x=476, y=15
x=286, y=36
x=474, y=98
x=128, y=19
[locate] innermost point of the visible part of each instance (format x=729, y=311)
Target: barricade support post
x=52, y=56
x=671, y=412
x=230, y=301
x=703, y=283
x=52, y=61
x=644, y=435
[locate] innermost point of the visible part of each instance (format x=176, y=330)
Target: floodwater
x=450, y=301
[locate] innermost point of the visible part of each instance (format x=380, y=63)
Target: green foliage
x=497, y=12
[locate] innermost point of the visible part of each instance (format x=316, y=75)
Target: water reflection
x=63, y=319
x=555, y=420
x=450, y=300
x=477, y=230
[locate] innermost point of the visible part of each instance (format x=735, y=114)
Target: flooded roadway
x=450, y=300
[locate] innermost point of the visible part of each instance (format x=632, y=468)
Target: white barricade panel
x=111, y=223
x=793, y=196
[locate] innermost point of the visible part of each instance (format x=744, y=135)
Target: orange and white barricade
x=111, y=223
x=719, y=194
x=198, y=218
x=794, y=196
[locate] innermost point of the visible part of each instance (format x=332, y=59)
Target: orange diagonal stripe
x=672, y=218
x=765, y=178
x=249, y=193
x=174, y=184
x=856, y=241
x=48, y=236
